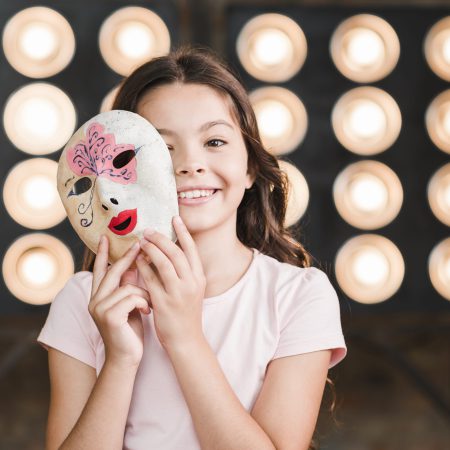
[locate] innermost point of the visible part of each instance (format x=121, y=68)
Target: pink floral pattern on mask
x=95, y=155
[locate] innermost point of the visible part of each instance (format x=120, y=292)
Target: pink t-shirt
x=274, y=310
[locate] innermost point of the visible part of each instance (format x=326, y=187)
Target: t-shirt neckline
x=232, y=289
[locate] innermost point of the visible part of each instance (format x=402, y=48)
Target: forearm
x=101, y=425
x=220, y=420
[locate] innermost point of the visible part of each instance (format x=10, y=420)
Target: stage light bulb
x=135, y=40
x=371, y=268
x=39, y=192
x=367, y=120
x=365, y=48
x=274, y=119
x=272, y=47
x=37, y=267
x=39, y=117
x=368, y=193
x=38, y=41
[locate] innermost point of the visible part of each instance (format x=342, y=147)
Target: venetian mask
x=115, y=177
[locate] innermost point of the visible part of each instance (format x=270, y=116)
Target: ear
x=249, y=181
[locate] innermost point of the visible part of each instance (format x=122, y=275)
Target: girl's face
x=207, y=150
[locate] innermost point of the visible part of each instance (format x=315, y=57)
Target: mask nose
x=113, y=201
x=104, y=192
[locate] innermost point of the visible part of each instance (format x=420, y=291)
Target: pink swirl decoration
x=95, y=155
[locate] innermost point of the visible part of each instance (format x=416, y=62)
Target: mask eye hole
x=122, y=159
x=81, y=186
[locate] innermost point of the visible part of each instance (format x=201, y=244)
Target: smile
x=124, y=223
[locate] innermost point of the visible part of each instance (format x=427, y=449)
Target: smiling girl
x=223, y=340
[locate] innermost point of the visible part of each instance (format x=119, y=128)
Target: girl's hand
x=176, y=285
x=115, y=306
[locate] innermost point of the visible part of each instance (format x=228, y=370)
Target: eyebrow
x=204, y=127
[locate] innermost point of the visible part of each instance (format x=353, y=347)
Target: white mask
x=115, y=177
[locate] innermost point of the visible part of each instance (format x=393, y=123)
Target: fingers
x=99, y=307
x=149, y=277
x=114, y=315
x=165, y=255
x=112, y=277
x=188, y=246
x=100, y=263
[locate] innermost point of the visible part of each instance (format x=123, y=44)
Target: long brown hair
x=262, y=211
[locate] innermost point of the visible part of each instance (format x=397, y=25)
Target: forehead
x=193, y=104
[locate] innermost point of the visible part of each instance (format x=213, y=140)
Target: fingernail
x=149, y=231
x=178, y=220
x=135, y=246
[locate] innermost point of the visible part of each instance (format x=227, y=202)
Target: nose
x=188, y=162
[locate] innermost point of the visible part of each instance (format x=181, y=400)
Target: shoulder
x=286, y=277
x=76, y=291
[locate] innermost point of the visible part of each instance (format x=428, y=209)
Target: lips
x=124, y=223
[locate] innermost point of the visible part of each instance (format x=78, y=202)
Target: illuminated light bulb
x=365, y=47
x=298, y=193
x=30, y=195
x=39, y=118
x=131, y=36
x=135, y=40
x=369, y=268
x=439, y=268
x=366, y=120
x=437, y=48
x=271, y=47
x=37, y=267
x=438, y=192
x=38, y=41
x=39, y=192
x=368, y=193
x=281, y=116
x=274, y=119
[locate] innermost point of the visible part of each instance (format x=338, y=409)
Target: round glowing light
x=438, y=192
x=282, y=118
x=368, y=194
x=39, y=118
x=131, y=36
x=437, y=120
x=298, y=193
x=439, y=268
x=271, y=47
x=30, y=195
x=437, y=48
x=36, y=267
x=366, y=120
x=365, y=48
x=369, y=268
x=109, y=99
x=38, y=42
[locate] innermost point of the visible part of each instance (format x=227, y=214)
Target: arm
x=220, y=420
x=283, y=417
x=95, y=417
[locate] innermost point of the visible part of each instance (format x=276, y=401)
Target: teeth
x=195, y=193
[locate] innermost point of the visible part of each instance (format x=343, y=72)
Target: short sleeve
x=69, y=327
x=309, y=316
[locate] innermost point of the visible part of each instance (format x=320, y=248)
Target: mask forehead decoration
x=115, y=177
